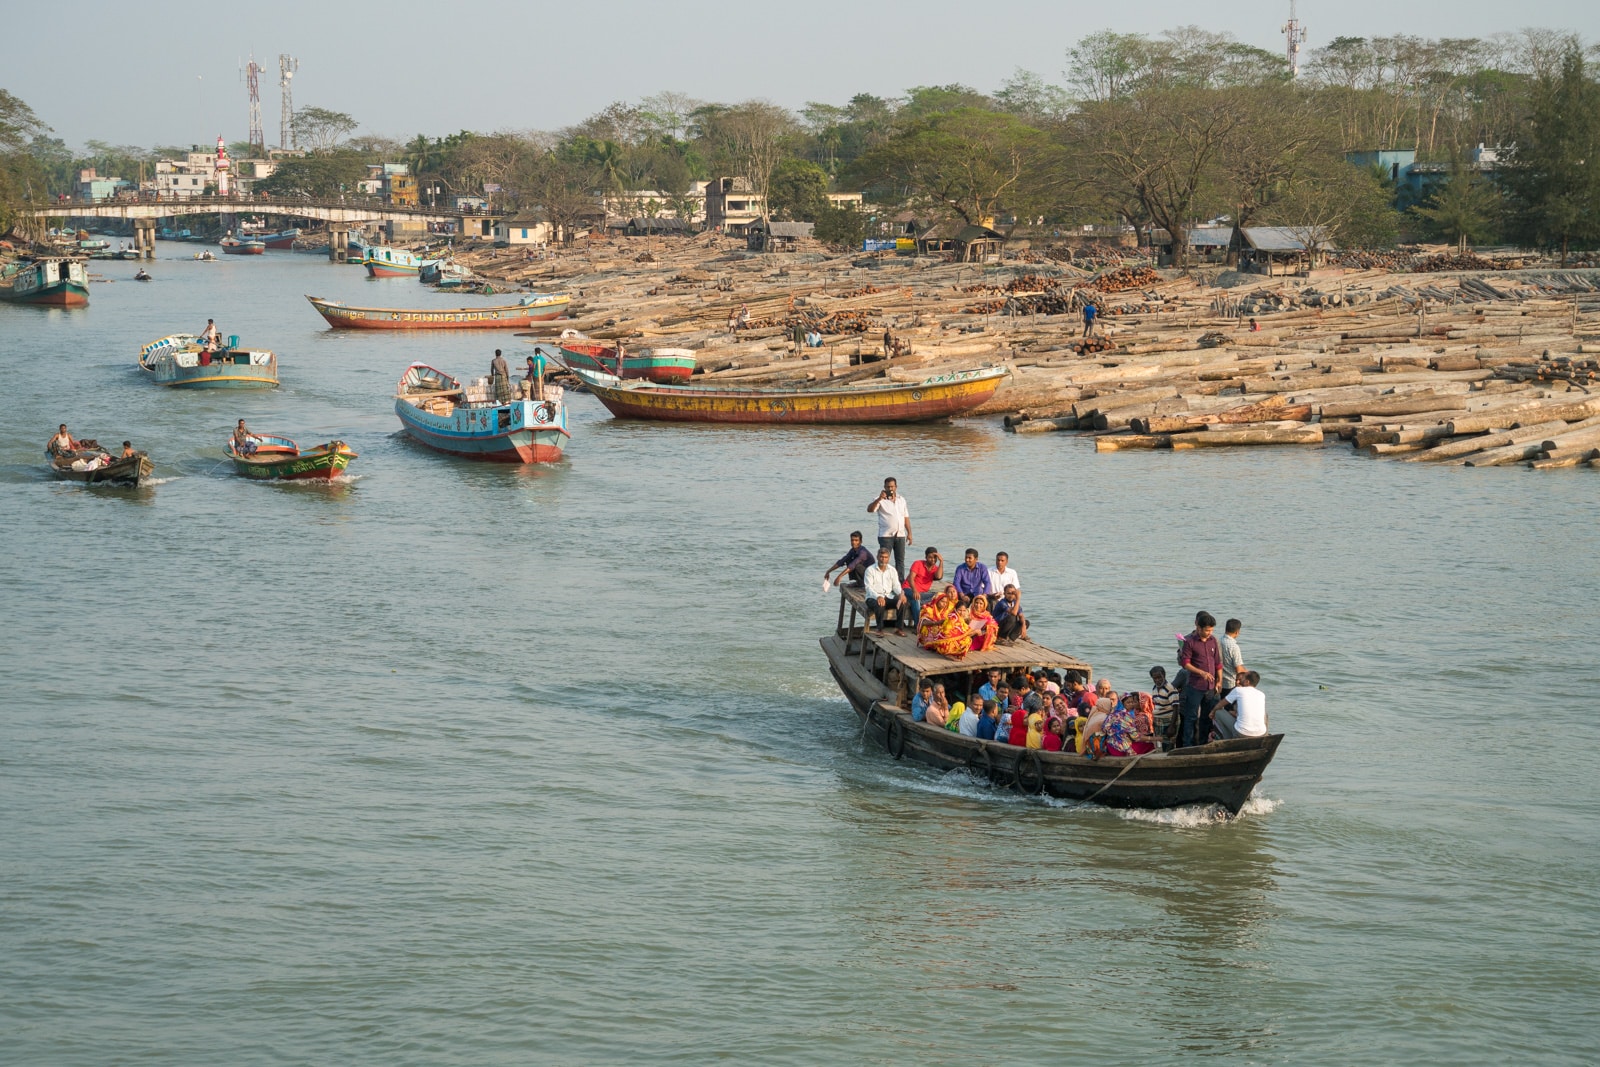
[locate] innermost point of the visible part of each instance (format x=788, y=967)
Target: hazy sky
x=167, y=72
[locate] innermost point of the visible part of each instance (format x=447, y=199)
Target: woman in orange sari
x=985, y=631
x=943, y=627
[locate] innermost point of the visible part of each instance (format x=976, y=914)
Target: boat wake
x=1201, y=814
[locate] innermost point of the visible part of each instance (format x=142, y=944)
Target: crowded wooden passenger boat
x=1022, y=715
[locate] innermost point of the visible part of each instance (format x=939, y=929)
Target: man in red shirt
x=1201, y=658
x=924, y=572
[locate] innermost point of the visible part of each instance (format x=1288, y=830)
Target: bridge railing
x=262, y=203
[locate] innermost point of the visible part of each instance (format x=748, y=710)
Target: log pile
x=1483, y=367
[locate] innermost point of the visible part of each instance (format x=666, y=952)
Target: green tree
x=841, y=227
x=325, y=175
x=1466, y=209
x=21, y=174
x=319, y=129
x=1160, y=146
x=967, y=163
x=799, y=191
x=1552, y=179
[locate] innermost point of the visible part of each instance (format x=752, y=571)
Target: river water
x=465, y=764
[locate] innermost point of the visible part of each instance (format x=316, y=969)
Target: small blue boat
x=182, y=361
x=440, y=412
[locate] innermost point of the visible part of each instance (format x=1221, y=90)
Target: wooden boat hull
x=49, y=283
x=1223, y=772
x=57, y=294
x=283, y=239
x=322, y=463
x=243, y=248
x=524, y=443
x=935, y=398
x=437, y=412
x=647, y=366
x=126, y=473
x=174, y=362
x=505, y=317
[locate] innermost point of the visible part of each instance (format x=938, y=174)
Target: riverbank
x=1475, y=367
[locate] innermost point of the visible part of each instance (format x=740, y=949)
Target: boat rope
x=1131, y=765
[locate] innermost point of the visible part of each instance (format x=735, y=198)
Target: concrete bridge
x=346, y=211
x=339, y=214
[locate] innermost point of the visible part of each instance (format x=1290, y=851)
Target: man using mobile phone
x=894, y=523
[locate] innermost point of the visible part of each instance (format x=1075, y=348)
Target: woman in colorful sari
x=943, y=627
x=985, y=631
x=1113, y=735
x=1143, y=707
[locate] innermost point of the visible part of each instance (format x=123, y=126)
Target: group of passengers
x=1213, y=697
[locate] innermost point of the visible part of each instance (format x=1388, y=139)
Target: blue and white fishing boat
x=438, y=411
x=382, y=261
x=183, y=361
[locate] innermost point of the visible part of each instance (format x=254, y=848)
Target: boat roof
x=920, y=661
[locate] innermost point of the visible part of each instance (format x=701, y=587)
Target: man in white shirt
x=1232, y=658
x=894, y=523
x=1001, y=575
x=1243, y=712
x=885, y=596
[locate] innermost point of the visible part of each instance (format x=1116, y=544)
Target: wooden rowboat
x=539, y=307
x=281, y=459
x=650, y=364
x=931, y=398
x=879, y=673
x=93, y=465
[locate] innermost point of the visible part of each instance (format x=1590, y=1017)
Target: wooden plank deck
x=920, y=661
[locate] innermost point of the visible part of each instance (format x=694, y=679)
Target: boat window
x=64, y=274
x=504, y=419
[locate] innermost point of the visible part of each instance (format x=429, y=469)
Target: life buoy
x=540, y=414
x=894, y=737
x=1029, y=757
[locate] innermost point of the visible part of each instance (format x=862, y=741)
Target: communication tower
x=252, y=77
x=287, y=65
x=1295, y=34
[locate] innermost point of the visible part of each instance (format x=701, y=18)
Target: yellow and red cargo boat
x=885, y=402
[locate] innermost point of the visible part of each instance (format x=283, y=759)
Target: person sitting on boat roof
x=62, y=443
x=499, y=378
x=1008, y=613
x=854, y=563
x=885, y=597
x=985, y=631
x=1001, y=575
x=971, y=578
x=244, y=442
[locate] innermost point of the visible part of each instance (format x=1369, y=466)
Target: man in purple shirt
x=1201, y=658
x=854, y=562
x=971, y=578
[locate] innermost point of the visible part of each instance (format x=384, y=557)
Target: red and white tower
x=223, y=167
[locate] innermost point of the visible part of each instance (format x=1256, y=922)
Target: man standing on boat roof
x=894, y=523
x=210, y=335
x=499, y=378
